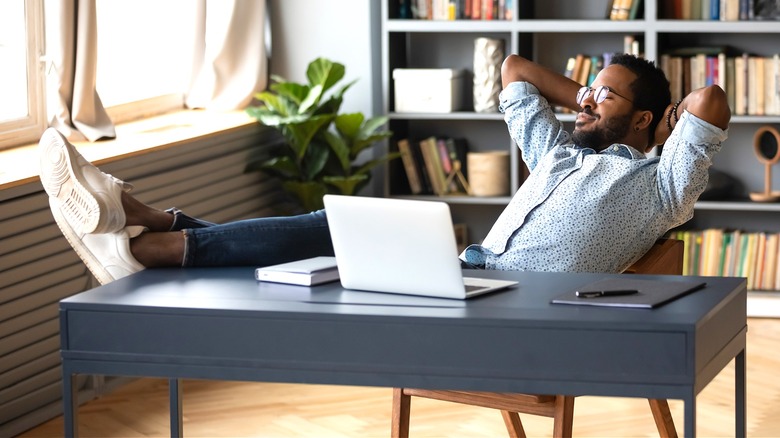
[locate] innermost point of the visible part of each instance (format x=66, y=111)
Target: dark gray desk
x=222, y=324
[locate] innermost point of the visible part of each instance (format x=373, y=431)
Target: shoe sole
x=89, y=259
x=78, y=204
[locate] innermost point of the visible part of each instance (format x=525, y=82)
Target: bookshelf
x=550, y=32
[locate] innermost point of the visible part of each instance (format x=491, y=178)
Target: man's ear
x=643, y=120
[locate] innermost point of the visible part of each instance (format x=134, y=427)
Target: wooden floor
x=239, y=409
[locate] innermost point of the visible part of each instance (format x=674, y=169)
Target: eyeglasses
x=600, y=94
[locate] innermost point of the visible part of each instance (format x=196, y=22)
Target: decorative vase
x=488, y=56
x=488, y=173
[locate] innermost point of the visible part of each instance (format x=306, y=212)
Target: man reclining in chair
x=594, y=202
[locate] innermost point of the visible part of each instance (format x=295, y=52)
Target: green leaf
x=283, y=167
x=340, y=148
x=313, y=98
x=364, y=143
x=347, y=185
x=330, y=106
x=293, y=92
x=349, y=124
x=302, y=133
x=268, y=117
x=344, y=89
x=324, y=72
x=315, y=160
x=273, y=102
x=309, y=193
x=333, y=104
x=372, y=125
x=278, y=79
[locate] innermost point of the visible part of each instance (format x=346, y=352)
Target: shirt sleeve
x=531, y=121
x=683, y=170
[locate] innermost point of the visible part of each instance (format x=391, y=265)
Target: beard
x=600, y=138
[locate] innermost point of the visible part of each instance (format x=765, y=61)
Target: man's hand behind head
x=708, y=103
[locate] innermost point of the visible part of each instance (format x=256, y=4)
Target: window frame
x=150, y=107
x=29, y=129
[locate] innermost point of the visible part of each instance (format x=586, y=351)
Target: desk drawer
x=426, y=347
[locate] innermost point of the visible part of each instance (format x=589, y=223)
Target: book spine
x=715, y=9
x=433, y=165
x=752, y=85
x=636, y=6
x=410, y=166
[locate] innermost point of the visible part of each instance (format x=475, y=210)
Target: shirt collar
x=624, y=151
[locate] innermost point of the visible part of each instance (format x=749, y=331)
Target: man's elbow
x=512, y=69
x=720, y=104
x=713, y=104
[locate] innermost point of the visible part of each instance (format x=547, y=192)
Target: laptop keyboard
x=472, y=287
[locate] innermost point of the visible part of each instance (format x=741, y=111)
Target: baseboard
x=763, y=304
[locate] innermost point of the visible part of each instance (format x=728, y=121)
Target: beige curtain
x=76, y=110
x=230, y=54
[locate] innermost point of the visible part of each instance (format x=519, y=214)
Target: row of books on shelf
x=435, y=166
x=710, y=10
x=732, y=253
x=751, y=82
x=719, y=10
x=456, y=9
x=583, y=68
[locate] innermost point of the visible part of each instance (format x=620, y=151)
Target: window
x=144, y=59
x=22, y=108
x=146, y=53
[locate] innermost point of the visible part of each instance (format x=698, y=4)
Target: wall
x=303, y=30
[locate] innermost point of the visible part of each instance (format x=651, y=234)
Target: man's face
x=600, y=125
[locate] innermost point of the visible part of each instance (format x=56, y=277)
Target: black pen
x=604, y=293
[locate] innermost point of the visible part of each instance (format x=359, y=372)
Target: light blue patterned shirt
x=583, y=211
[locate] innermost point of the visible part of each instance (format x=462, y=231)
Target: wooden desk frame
x=221, y=324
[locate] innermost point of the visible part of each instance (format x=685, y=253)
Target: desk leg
x=690, y=415
x=69, y=404
x=174, y=394
x=739, y=397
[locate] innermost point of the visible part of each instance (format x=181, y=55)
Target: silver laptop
x=400, y=246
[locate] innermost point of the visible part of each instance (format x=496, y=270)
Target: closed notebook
x=307, y=272
x=644, y=294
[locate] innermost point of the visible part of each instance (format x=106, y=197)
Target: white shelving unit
x=549, y=32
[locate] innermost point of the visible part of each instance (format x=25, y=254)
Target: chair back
x=664, y=258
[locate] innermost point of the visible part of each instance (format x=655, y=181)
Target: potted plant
x=321, y=146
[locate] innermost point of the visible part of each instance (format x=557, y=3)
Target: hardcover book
x=410, y=166
x=307, y=272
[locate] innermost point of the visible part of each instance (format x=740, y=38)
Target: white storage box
x=428, y=90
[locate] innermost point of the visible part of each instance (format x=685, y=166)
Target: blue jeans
x=256, y=242
x=253, y=242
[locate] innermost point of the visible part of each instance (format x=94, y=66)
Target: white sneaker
x=89, y=200
x=107, y=255
x=87, y=207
